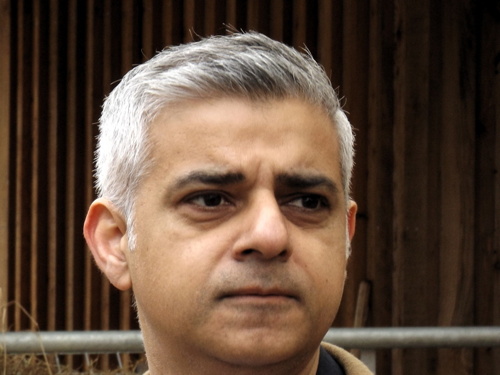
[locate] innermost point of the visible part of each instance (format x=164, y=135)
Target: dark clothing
x=328, y=365
x=349, y=363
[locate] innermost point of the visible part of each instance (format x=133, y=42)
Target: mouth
x=256, y=293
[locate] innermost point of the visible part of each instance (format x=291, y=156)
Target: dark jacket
x=351, y=364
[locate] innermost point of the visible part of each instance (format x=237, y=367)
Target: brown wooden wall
x=421, y=84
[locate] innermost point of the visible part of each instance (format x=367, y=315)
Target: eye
x=309, y=202
x=210, y=199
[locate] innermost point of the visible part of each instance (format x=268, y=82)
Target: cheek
x=172, y=259
x=323, y=257
x=331, y=274
x=331, y=290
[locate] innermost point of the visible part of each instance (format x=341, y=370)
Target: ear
x=351, y=218
x=105, y=232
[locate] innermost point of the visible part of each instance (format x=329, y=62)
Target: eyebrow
x=289, y=180
x=305, y=181
x=208, y=177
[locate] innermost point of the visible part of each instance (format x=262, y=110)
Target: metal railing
x=101, y=342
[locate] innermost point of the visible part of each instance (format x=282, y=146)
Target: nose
x=264, y=232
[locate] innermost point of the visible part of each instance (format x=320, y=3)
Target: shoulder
x=351, y=364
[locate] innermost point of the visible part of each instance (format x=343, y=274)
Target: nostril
x=283, y=254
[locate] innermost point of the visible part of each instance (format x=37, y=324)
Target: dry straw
x=29, y=364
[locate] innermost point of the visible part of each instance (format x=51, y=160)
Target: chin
x=265, y=351
x=259, y=357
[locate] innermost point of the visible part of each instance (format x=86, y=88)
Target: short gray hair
x=246, y=65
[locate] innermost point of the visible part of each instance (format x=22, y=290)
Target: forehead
x=234, y=134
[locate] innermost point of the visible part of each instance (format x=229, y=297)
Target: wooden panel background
x=421, y=82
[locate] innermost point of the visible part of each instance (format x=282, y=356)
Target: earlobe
x=351, y=218
x=105, y=233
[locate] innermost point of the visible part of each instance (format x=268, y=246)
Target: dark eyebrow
x=306, y=181
x=209, y=178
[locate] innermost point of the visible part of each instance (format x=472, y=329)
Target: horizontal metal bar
x=100, y=342
x=72, y=342
x=414, y=337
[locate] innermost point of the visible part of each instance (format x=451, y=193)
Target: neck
x=163, y=361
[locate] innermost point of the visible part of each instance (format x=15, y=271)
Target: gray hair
x=246, y=65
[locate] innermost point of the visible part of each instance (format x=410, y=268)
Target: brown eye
x=309, y=202
x=208, y=200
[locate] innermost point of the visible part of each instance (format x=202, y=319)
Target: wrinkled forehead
x=227, y=133
x=233, y=109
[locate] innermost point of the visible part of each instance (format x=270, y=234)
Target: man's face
x=241, y=231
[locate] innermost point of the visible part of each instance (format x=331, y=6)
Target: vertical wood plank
x=487, y=241
x=415, y=253
x=210, y=18
x=168, y=29
x=71, y=289
x=232, y=13
x=253, y=15
x=35, y=162
x=276, y=24
x=258, y=16
x=494, y=274
x=5, y=149
x=77, y=172
x=493, y=35
x=16, y=293
x=24, y=61
x=457, y=166
x=457, y=181
x=171, y=23
x=189, y=20
x=147, y=29
x=18, y=165
x=354, y=87
x=379, y=165
x=74, y=101
x=53, y=180
x=330, y=39
x=300, y=23
x=325, y=34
